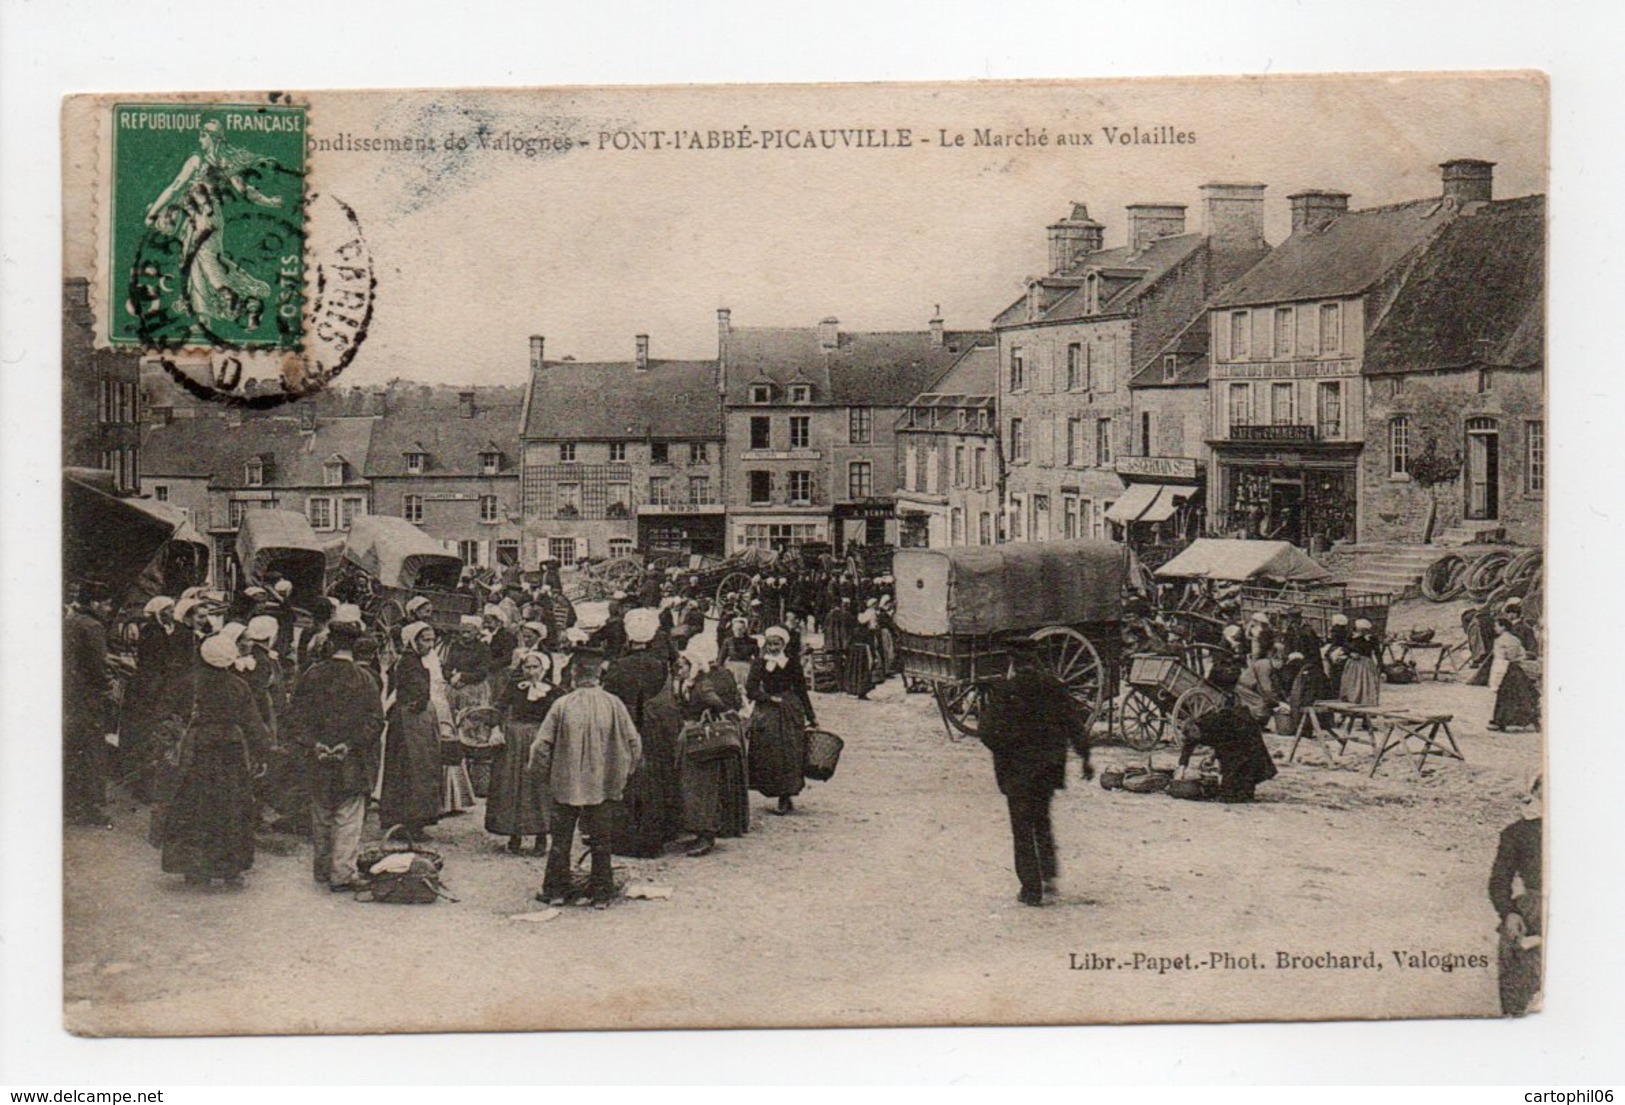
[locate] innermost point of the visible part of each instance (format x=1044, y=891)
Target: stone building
x=1070, y=347
x=948, y=450
x=621, y=456
x=217, y=467
x=101, y=402
x=811, y=423
x=448, y=462
x=1290, y=341
x=1456, y=368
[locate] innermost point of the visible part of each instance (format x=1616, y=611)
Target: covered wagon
x=282, y=541
x=1276, y=578
x=391, y=560
x=960, y=610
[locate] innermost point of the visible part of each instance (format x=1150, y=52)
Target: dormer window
x=333, y=473
x=761, y=393
x=800, y=393
x=490, y=462
x=1091, y=293
x=254, y=472
x=417, y=462
x=1170, y=368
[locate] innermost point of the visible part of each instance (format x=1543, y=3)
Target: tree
x=1435, y=432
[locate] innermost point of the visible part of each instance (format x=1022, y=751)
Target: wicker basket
x=396, y=839
x=823, y=754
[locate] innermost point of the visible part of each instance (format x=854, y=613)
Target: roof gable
x=580, y=401
x=437, y=431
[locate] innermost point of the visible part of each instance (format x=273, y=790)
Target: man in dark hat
x=1236, y=737
x=87, y=708
x=583, y=755
x=1027, y=721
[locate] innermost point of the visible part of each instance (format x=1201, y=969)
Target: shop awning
x=1134, y=502
x=1148, y=502
x=1167, y=501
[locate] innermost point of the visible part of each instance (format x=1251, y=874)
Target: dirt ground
x=887, y=898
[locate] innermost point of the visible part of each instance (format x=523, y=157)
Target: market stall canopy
x=981, y=589
x=1238, y=561
x=398, y=554
x=108, y=541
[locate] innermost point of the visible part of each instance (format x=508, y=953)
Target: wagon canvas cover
x=1214, y=558
x=981, y=589
x=398, y=554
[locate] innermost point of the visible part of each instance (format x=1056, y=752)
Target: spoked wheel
x=1074, y=661
x=961, y=706
x=734, y=583
x=390, y=614
x=622, y=575
x=1143, y=722
x=1193, y=704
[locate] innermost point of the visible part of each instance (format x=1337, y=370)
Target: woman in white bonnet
x=209, y=822
x=412, y=770
x=517, y=806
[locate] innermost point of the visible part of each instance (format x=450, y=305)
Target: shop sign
x=1283, y=370
x=1173, y=468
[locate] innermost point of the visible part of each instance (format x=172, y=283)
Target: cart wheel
x=961, y=706
x=734, y=583
x=1075, y=662
x=390, y=614
x=1143, y=722
x=1191, y=705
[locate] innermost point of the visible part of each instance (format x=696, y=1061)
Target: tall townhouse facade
x=621, y=456
x=811, y=427
x=448, y=462
x=948, y=454
x=1289, y=343
x=1456, y=367
x=101, y=396
x=215, y=468
x=1071, y=346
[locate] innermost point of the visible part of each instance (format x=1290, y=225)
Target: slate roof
x=213, y=447
x=453, y=443
x=1125, y=275
x=1190, y=345
x=884, y=368
x=1346, y=257
x=1476, y=297
x=582, y=401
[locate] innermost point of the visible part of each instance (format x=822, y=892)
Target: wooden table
x=1385, y=730
x=1400, y=651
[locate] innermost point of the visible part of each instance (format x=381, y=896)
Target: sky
x=476, y=249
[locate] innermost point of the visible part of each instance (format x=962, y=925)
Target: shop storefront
x=866, y=523
x=1163, y=507
x=686, y=533
x=1308, y=495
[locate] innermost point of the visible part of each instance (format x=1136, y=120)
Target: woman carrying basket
x=777, y=736
x=715, y=800
x=517, y=807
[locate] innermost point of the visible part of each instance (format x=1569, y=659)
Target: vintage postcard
x=795, y=556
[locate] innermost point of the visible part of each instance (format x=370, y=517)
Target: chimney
x=1468, y=181
x=724, y=331
x=307, y=419
x=1072, y=238
x=380, y=401
x=829, y=334
x=643, y=352
x=1312, y=210
x=936, y=327
x=535, y=352
x=1233, y=214
x=1149, y=221
x=465, y=404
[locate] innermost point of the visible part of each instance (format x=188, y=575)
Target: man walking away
x=336, y=717
x=87, y=709
x=1027, y=721
x=1515, y=891
x=584, y=753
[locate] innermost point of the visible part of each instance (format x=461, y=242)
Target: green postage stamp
x=207, y=226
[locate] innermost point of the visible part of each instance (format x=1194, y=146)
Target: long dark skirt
x=515, y=805
x=859, y=675
x=651, y=802
x=715, y=799
x=412, y=770
x=208, y=827
x=1517, y=700
x=777, y=738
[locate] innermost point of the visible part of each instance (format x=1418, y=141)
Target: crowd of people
x=242, y=713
